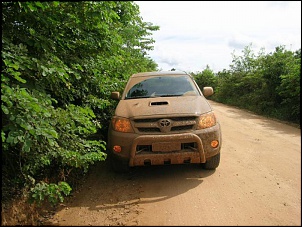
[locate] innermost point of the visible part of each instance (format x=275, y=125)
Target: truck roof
x=159, y=73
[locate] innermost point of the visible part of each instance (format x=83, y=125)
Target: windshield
x=162, y=86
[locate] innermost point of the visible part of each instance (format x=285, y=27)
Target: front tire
x=212, y=163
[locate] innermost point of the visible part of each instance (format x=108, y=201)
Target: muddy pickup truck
x=163, y=118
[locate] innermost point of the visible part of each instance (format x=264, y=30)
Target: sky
x=197, y=34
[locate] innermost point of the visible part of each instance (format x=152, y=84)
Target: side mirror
x=207, y=91
x=115, y=95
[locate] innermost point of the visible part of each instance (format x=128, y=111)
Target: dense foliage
x=267, y=84
x=60, y=61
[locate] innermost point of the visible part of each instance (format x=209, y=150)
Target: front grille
x=152, y=125
x=181, y=128
x=145, y=120
x=148, y=129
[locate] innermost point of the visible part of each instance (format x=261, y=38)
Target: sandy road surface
x=258, y=182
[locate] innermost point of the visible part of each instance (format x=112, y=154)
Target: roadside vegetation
x=266, y=84
x=60, y=62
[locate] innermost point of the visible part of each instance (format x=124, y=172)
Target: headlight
x=121, y=124
x=206, y=121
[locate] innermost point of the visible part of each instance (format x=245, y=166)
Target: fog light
x=214, y=143
x=117, y=149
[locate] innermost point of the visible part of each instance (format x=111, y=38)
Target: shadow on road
x=104, y=189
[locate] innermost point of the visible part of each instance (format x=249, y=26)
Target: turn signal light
x=117, y=149
x=214, y=143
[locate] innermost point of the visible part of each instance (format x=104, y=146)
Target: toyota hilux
x=163, y=118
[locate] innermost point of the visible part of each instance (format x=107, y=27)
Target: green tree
x=205, y=78
x=61, y=60
x=279, y=69
x=265, y=83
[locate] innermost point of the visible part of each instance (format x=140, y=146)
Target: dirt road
x=258, y=182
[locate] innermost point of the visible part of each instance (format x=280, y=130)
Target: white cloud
x=194, y=34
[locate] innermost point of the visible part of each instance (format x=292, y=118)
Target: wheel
x=119, y=166
x=212, y=163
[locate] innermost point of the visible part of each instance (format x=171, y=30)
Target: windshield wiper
x=137, y=97
x=170, y=95
x=166, y=95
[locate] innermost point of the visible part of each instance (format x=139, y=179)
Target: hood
x=180, y=105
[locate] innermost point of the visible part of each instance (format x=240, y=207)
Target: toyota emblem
x=164, y=123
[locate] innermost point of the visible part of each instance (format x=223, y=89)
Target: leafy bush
x=60, y=61
x=267, y=84
x=52, y=192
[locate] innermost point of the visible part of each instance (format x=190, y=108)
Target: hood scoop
x=159, y=103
